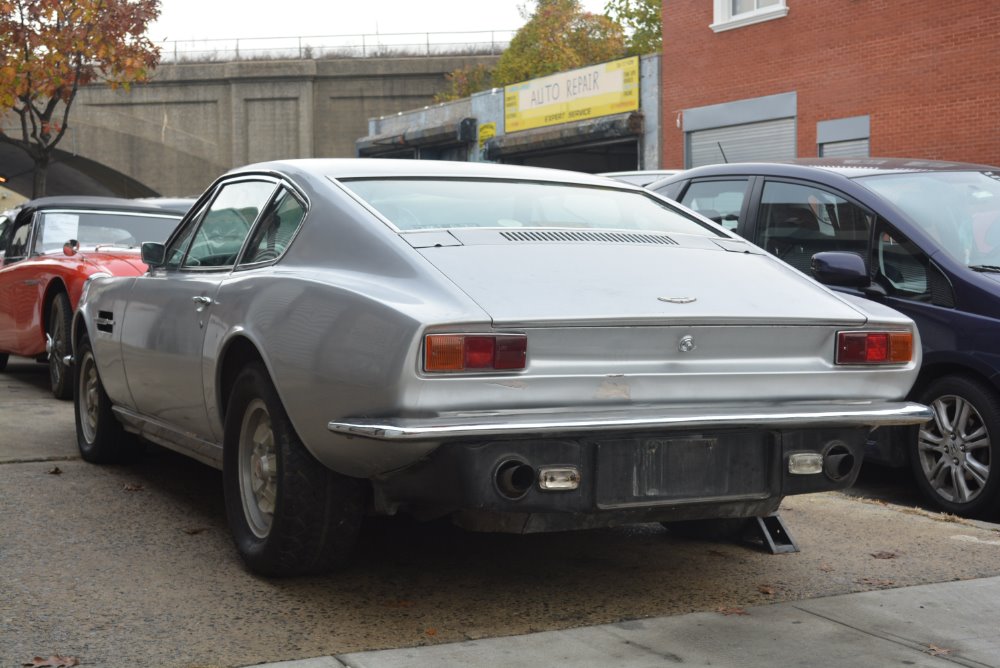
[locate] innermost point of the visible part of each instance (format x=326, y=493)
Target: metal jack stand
x=772, y=533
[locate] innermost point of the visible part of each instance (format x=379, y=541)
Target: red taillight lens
x=474, y=352
x=874, y=347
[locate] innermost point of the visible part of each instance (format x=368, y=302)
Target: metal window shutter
x=855, y=148
x=768, y=140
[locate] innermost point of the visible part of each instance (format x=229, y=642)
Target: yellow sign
x=589, y=92
x=487, y=131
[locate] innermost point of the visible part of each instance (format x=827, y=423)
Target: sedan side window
x=277, y=227
x=906, y=272
x=226, y=224
x=798, y=221
x=720, y=201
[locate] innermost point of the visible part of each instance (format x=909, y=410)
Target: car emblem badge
x=686, y=344
x=678, y=300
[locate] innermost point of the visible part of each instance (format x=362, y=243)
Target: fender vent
x=105, y=321
x=602, y=237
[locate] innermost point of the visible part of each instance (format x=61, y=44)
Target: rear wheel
x=100, y=436
x=955, y=455
x=60, y=324
x=3, y=361
x=289, y=514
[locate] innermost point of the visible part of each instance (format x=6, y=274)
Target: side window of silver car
x=227, y=223
x=277, y=226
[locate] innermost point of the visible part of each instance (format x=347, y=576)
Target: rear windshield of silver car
x=425, y=204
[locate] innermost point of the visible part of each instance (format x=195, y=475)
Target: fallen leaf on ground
x=53, y=662
x=132, y=487
x=195, y=531
x=55, y=470
x=431, y=632
x=884, y=554
x=934, y=650
x=826, y=568
x=732, y=611
x=766, y=589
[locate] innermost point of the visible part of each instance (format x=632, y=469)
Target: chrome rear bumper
x=646, y=418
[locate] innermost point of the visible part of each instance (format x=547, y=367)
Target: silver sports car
x=520, y=349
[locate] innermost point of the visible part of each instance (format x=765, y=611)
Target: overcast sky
x=225, y=19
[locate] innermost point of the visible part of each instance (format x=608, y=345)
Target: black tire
x=60, y=326
x=99, y=435
x=289, y=514
x=955, y=457
x=718, y=529
x=3, y=361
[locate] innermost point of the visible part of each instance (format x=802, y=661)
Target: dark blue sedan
x=922, y=237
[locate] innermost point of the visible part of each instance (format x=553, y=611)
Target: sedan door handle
x=201, y=301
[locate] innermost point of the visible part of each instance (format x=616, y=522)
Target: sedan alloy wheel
x=955, y=452
x=258, y=468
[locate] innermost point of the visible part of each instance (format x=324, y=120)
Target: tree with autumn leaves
x=559, y=36
x=49, y=48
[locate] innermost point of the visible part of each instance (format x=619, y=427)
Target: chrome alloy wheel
x=954, y=450
x=258, y=468
x=89, y=405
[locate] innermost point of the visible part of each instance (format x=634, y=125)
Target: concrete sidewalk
x=945, y=624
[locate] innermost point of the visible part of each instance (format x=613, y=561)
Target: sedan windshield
x=91, y=228
x=960, y=210
x=423, y=204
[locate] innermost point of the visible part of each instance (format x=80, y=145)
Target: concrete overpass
x=193, y=121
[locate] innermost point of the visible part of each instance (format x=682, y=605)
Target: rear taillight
x=874, y=347
x=475, y=352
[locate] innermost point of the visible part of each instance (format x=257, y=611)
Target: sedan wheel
x=99, y=435
x=258, y=468
x=60, y=324
x=289, y=514
x=955, y=456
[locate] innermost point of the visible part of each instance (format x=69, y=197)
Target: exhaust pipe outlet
x=513, y=479
x=838, y=461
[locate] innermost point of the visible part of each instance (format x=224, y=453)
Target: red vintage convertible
x=50, y=248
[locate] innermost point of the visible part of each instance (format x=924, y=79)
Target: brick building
x=777, y=79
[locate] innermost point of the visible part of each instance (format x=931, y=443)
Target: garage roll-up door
x=767, y=140
x=857, y=148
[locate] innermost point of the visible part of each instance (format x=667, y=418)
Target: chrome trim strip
x=163, y=434
x=447, y=427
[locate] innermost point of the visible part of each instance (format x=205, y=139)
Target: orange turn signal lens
x=444, y=352
x=475, y=352
x=874, y=347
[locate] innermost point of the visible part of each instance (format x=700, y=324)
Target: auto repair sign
x=588, y=92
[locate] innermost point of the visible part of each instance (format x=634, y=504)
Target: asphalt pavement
x=134, y=566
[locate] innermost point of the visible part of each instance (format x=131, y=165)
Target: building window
x=731, y=14
x=843, y=137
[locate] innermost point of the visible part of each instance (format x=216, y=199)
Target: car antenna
x=724, y=158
